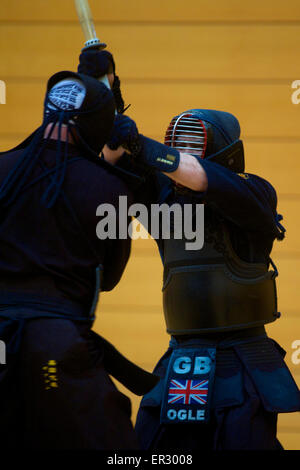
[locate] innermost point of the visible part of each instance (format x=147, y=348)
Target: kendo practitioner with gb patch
x=55, y=389
x=223, y=380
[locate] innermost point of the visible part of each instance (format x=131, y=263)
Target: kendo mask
x=86, y=108
x=209, y=134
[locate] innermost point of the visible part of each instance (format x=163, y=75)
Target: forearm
x=189, y=173
x=112, y=156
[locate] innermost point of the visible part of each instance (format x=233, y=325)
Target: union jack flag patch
x=188, y=385
x=187, y=392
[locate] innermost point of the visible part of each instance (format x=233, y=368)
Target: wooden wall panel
x=154, y=11
x=276, y=161
x=153, y=106
x=7, y=143
x=139, y=334
x=219, y=52
x=257, y=107
x=139, y=284
x=285, y=331
x=289, y=421
x=289, y=440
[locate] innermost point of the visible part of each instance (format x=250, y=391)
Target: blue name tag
x=188, y=385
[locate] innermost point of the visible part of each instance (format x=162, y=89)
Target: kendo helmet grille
x=187, y=133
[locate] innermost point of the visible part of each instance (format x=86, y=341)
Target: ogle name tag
x=188, y=385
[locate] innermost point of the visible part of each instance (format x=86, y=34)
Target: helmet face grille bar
x=188, y=134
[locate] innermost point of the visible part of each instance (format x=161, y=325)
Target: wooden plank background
x=230, y=55
x=152, y=12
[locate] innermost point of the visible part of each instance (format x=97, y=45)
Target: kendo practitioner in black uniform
x=55, y=391
x=223, y=380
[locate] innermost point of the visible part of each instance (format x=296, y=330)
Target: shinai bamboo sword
x=87, y=25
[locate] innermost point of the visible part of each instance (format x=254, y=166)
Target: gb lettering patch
x=188, y=385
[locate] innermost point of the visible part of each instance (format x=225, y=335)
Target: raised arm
x=246, y=200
